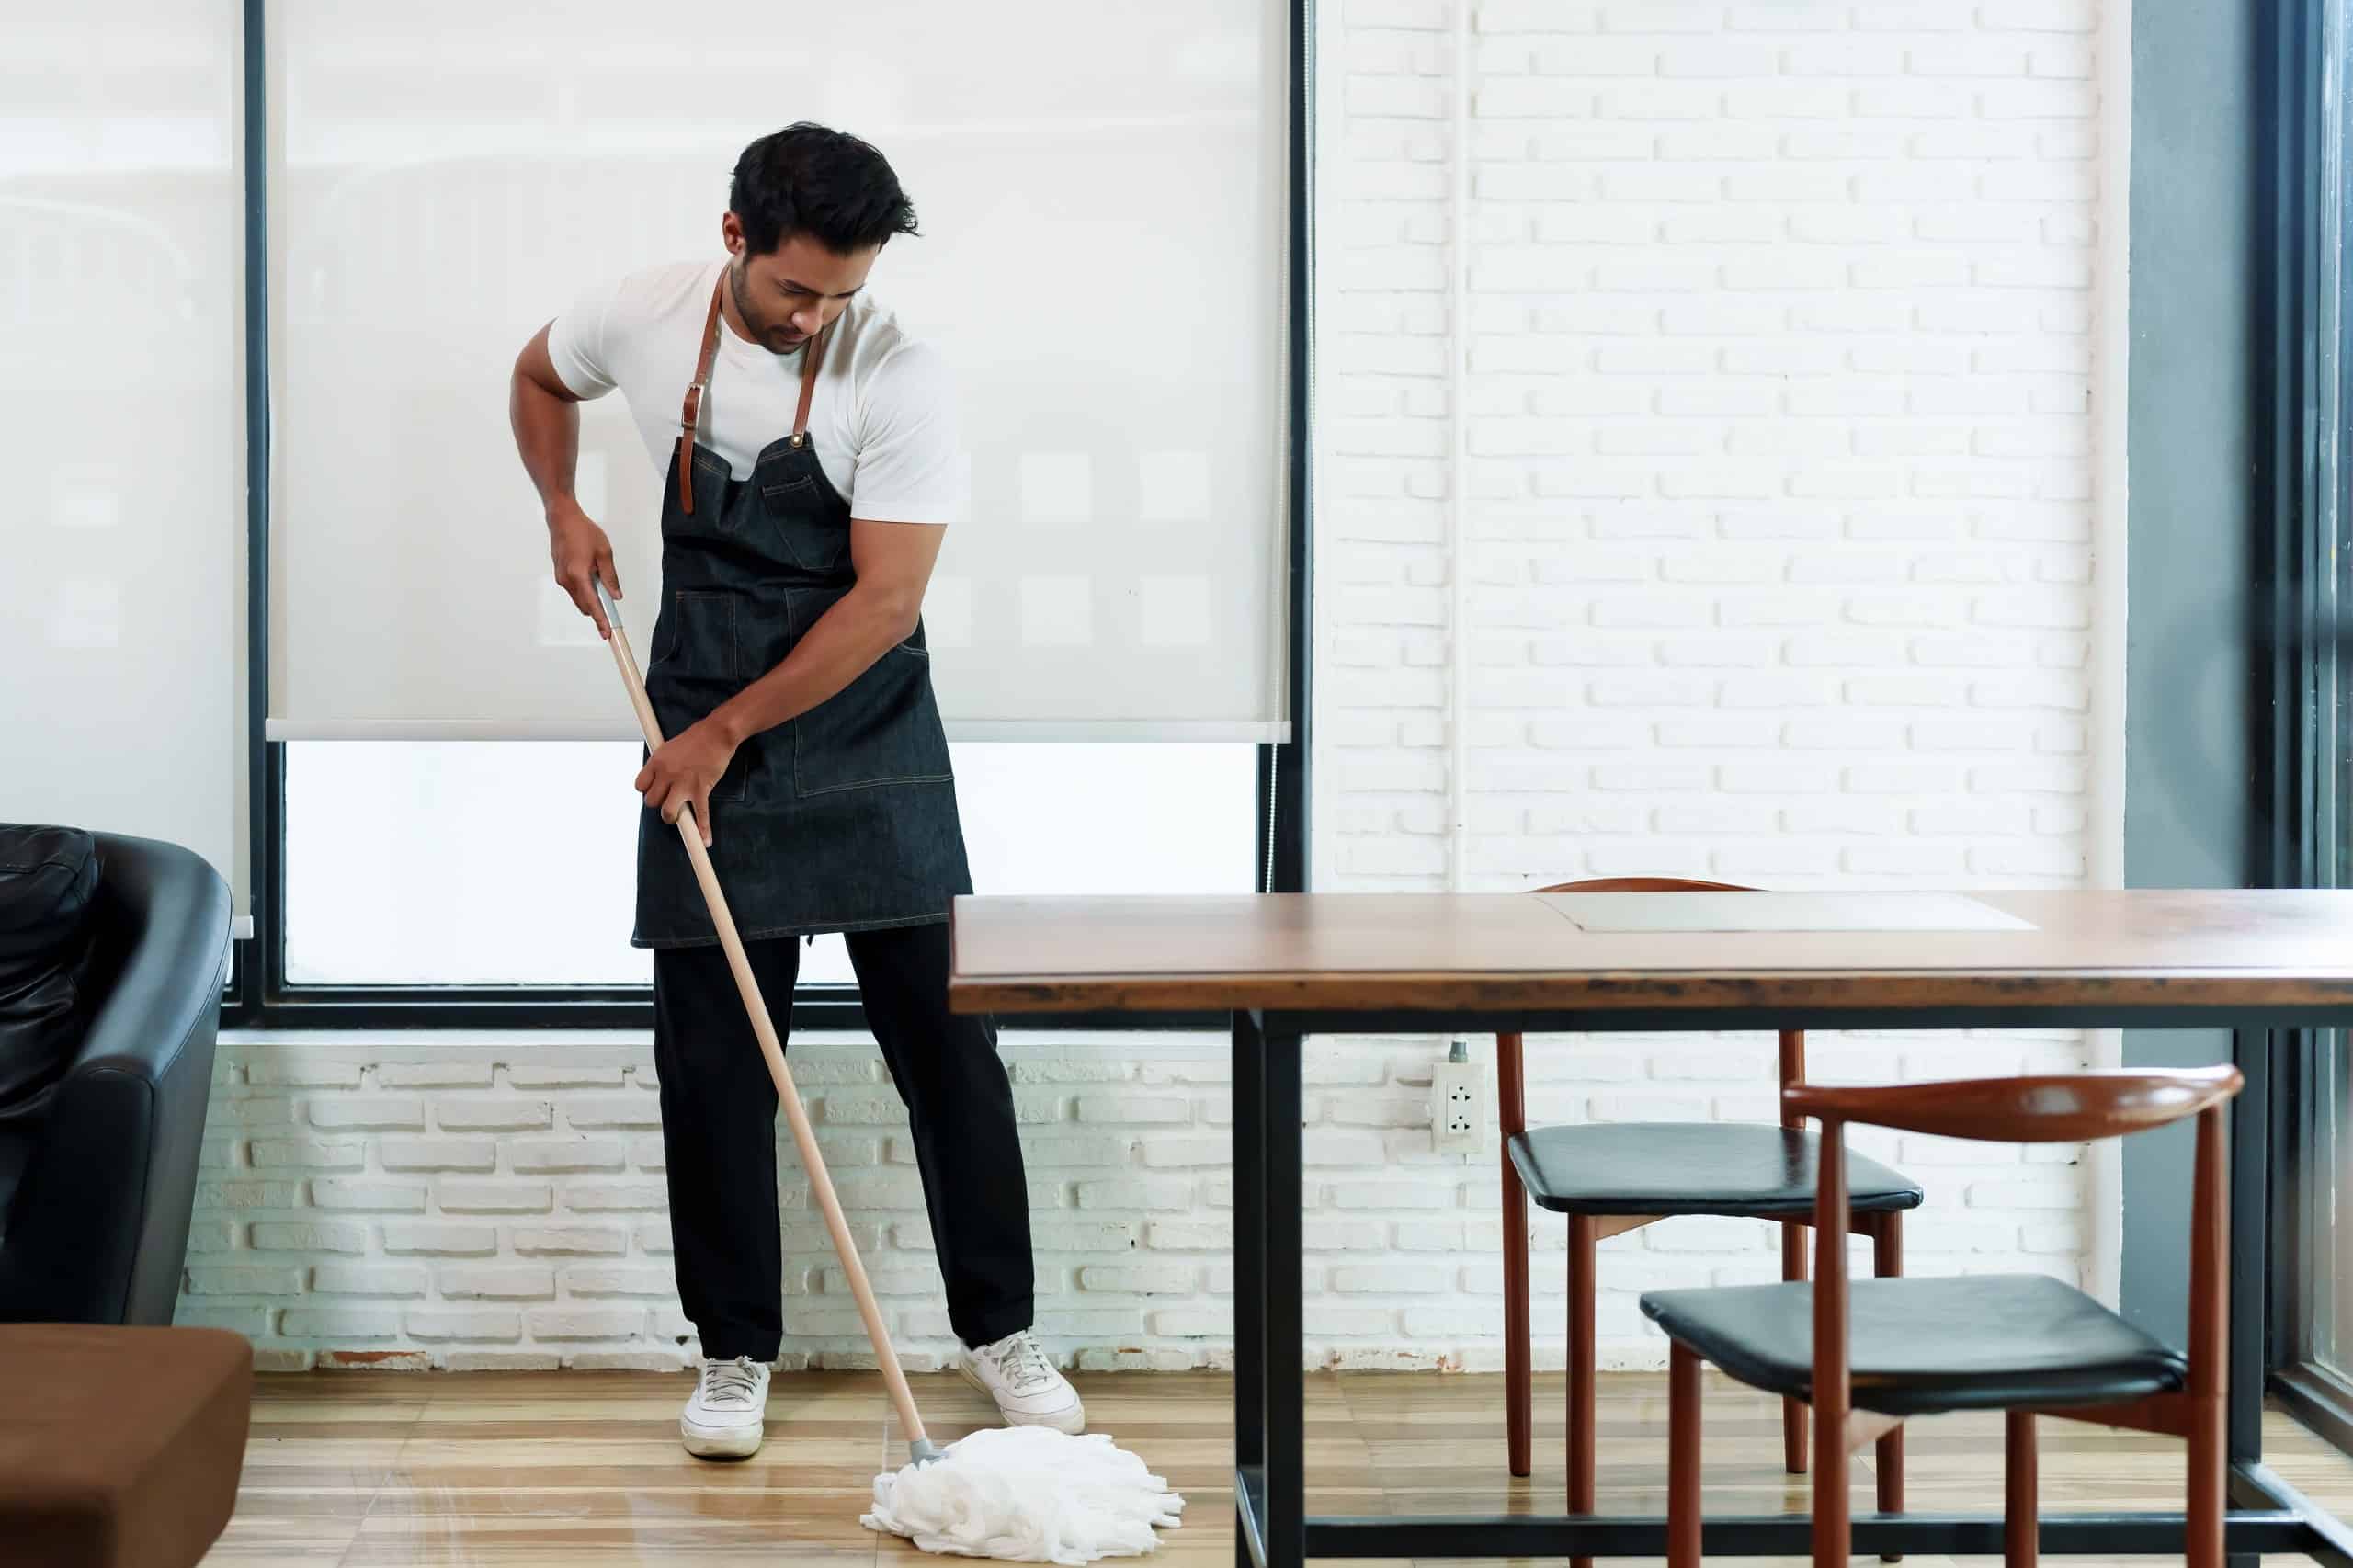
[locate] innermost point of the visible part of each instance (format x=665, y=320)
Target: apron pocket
x=883, y=728
x=812, y=534
x=698, y=667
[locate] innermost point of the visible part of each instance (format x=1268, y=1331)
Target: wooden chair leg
x=2208, y=1490
x=1793, y=1411
x=1887, y=1263
x=2021, y=1533
x=1683, y=1430
x=1520, y=1375
x=1581, y=1359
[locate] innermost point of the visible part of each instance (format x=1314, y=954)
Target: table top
x=2144, y=955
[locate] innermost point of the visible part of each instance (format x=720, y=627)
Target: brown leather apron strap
x=808, y=383
x=692, y=414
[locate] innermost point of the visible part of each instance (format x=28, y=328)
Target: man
x=812, y=470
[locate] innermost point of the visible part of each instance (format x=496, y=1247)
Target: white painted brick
x=552, y=1154
x=1057, y=1147
x=371, y=1111
x=1163, y=1150
x=344, y=1193
x=565, y=1075
x=461, y=1075
x=437, y=1154
x=243, y=1279
x=311, y=1153
x=340, y=1323
x=461, y=1196
x=301, y=1070
x=618, y=1279
x=1157, y=1109
x=496, y=1282
x=339, y=1237
x=584, y=1323
x=1150, y=1193
x=369, y=1280
x=534, y=1241
x=470, y=1114
x=613, y=1110
x=1388, y=1279
x=494, y=1325
x=601, y=1196
x=428, y=1237
x=212, y=1235
x=254, y=1322
x=247, y=1195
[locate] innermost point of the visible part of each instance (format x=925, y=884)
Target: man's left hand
x=683, y=773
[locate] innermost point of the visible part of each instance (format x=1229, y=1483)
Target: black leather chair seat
x=1675, y=1167
x=1921, y=1347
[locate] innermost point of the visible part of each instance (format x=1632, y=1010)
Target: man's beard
x=765, y=334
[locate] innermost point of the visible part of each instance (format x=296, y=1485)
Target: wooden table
x=1286, y=966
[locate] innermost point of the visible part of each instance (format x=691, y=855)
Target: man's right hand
x=582, y=555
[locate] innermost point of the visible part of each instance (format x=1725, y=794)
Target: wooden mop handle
x=821, y=1183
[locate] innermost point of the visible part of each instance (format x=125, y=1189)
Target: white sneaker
x=724, y=1419
x=1027, y=1390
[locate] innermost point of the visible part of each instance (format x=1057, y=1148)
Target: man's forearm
x=547, y=434
x=861, y=626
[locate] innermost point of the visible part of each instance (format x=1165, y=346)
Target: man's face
x=793, y=293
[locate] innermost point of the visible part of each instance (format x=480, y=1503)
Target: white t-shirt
x=883, y=414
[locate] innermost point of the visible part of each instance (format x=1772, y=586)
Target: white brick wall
x=1777, y=519
x=1780, y=529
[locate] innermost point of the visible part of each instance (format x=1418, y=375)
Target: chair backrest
x=2072, y=1108
x=1511, y=1067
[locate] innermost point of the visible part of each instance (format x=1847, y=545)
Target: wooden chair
x=1868, y=1356
x=1613, y=1178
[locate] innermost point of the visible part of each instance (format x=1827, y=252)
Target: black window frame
x=2300, y=677
x=260, y=997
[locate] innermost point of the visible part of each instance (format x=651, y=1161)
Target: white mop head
x=1027, y=1494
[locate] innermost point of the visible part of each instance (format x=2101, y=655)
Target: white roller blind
x=122, y=423
x=1100, y=189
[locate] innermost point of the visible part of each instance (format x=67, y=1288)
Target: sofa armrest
x=98, y=1229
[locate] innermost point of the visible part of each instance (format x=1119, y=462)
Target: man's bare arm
x=546, y=417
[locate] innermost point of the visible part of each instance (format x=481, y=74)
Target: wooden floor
x=372, y=1470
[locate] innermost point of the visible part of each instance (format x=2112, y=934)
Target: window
x=483, y=882
x=511, y=863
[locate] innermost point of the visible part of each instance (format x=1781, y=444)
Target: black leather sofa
x=97, y=1178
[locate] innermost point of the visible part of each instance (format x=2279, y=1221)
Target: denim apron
x=843, y=819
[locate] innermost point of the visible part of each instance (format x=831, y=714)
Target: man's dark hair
x=808, y=179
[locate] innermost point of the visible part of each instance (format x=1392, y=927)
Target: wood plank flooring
x=583, y=1469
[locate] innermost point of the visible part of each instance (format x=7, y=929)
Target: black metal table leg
x=1250, y=1282
x=2250, y=1163
x=1284, y=1521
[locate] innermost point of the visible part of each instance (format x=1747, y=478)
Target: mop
x=1024, y=1493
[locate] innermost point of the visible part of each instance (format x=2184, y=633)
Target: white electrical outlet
x=1458, y=1107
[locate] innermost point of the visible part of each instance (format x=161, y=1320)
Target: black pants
x=718, y=1135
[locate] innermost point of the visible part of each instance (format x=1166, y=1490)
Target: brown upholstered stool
x=119, y=1448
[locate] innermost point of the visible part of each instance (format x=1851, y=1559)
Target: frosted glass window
x=489, y=863
x=1101, y=192
x=122, y=423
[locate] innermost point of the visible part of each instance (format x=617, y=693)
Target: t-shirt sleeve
x=910, y=454
x=577, y=344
